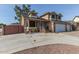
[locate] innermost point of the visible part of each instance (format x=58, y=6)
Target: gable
x=45, y=17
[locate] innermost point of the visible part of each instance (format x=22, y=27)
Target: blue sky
x=7, y=12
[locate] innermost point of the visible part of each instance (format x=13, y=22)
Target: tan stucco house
x=48, y=22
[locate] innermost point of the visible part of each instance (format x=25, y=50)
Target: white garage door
x=68, y=28
x=59, y=27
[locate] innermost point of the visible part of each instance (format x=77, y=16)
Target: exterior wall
x=57, y=17
x=50, y=26
x=42, y=27
x=46, y=17
x=49, y=17
x=22, y=20
x=12, y=29
x=53, y=19
x=53, y=26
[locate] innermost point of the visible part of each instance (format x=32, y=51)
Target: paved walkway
x=18, y=42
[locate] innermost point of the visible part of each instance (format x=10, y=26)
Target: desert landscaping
x=52, y=49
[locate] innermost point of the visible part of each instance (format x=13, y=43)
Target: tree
x=33, y=12
x=24, y=11
x=18, y=13
x=21, y=11
x=26, y=8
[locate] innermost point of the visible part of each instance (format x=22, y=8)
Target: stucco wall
x=22, y=20
x=46, y=17
x=12, y=29
x=53, y=26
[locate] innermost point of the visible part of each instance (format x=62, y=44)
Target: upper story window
x=53, y=16
x=59, y=17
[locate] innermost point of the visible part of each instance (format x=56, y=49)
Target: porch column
x=40, y=26
x=35, y=24
x=28, y=26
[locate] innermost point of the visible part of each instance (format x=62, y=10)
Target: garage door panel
x=59, y=27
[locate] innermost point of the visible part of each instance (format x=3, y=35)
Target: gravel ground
x=52, y=49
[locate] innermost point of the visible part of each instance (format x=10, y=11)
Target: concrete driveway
x=18, y=42
x=72, y=33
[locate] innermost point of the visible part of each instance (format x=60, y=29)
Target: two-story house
x=48, y=22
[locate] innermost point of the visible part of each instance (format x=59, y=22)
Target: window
x=59, y=17
x=53, y=16
x=32, y=23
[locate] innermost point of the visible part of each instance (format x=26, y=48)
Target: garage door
x=59, y=27
x=68, y=28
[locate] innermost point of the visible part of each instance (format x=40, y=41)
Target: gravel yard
x=52, y=49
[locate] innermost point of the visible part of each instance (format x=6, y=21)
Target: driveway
x=72, y=33
x=18, y=42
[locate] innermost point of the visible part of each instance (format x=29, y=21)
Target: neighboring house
x=76, y=22
x=76, y=19
x=48, y=22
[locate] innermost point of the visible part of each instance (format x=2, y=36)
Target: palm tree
x=18, y=13
x=25, y=10
x=33, y=13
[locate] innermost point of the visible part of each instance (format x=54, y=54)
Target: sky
x=69, y=11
